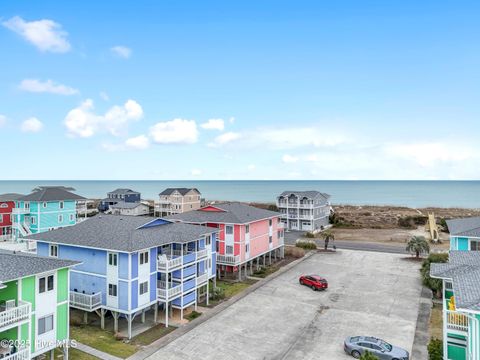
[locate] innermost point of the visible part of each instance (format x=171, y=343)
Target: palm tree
x=418, y=245
x=327, y=236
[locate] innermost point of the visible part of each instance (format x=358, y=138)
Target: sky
x=153, y=90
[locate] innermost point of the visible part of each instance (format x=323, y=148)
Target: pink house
x=248, y=236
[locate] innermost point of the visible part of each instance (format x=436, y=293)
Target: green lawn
x=436, y=322
x=229, y=289
x=74, y=354
x=149, y=336
x=102, y=340
x=193, y=315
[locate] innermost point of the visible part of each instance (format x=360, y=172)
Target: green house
x=461, y=304
x=34, y=304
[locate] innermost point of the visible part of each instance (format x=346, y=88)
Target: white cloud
x=140, y=142
x=121, y=51
x=83, y=122
x=31, y=125
x=104, y=96
x=49, y=86
x=196, y=172
x=224, y=139
x=231, y=120
x=289, y=159
x=3, y=120
x=177, y=131
x=45, y=34
x=251, y=167
x=214, y=124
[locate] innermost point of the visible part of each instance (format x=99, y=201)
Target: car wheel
x=356, y=354
x=301, y=282
x=314, y=288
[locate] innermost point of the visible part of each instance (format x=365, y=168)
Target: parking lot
x=370, y=293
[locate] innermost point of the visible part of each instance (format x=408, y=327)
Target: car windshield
x=386, y=346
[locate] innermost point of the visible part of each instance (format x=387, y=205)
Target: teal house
x=461, y=290
x=46, y=208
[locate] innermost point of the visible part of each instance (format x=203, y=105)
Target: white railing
x=303, y=216
x=228, y=259
x=165, y=263
x=15, y=314
x=202, y=279
x=456, y=321
x=448, y=285
x=20, y=211
x=85, y=301
x=6, y=237
x=22, y=353
x=164, y=293
x=202, y=253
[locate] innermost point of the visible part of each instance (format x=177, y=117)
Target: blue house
x=46, y=208
x=119, y=196
x=464, y=233
x=133, y=264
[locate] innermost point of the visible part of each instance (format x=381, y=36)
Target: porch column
x=85, y=317
x=65, y=351
x=143, y=316
x=155, y=313
x=270, y=258
x=115, y=321
x=52, y=354
x=102, y=318
x=166, y=314
x=240, y=273
x=208, y=286
x=129, y=319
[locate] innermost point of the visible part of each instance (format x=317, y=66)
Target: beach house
x=464, y=233
x=248, y=235
x=119, y=196
x=177, y=201
x=34, y=316
x=7, y=204
x=304, y=210
x=46, y=208
x=461, y=304
x=133, y=264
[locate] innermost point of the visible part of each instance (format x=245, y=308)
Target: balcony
x=177, y=259
x=85, y=301
x=202, y=279
x=166, y=263
x=456, y=321
x=11, y=315
x=168, y=293
x=202, y=254
x=20, y=211
x=228, y=259
x=22, y=353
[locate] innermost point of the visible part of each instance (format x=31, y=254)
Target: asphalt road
x=292, y=236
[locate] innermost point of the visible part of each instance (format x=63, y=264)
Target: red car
x=314, y=281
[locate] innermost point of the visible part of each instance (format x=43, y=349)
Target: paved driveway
x=370, y=293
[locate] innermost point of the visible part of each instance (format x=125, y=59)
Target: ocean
x=464, y=194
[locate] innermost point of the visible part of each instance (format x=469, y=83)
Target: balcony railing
x=228, y=259
x=14, y=314
x=165, y=293
x=165, y=263
x=18, y=211
x=202, y=279
x=456, y=321
x=22, y=353
x=202, y=253
x=85, y=301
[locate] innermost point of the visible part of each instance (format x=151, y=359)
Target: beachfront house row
x=34, y=309
x=119, y=196
x=7, y=204
x=461, y=304
x=177, y=201
x=133, y=264
x=129, y=209
x=464, y=233
x=46, y=208
x=248, y=235
x=304, y=210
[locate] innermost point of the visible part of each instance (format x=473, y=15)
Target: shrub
x=309, y=235
x=272, y=207
x=193, y=315
x=418, y=245
x=294, y=251
x=435, y=349
x=306, y=245
x=368, y=356
x=217, y=294
x=434, y=284
x=443, y=225
x=411, y=222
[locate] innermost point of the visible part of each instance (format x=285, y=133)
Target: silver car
x=358, y=345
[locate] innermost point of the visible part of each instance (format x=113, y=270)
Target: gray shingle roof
x=464, y=227
x=182, y=191
x=463, y=269
x=310, y=194
x=123, y=233
x=10, y=196
x=18, y=265
x=123, y=191
x=233, y=213
x=51, y=193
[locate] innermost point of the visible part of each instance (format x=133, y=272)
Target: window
x=143, y=287
x=247, y=248
x=45, y=284
x=209, y=263
x=33, y=220
x=60, y=204
x=229, y=229
x=45, y=324
x=229, y=249
x=44, y=204
x=270, y=239
x=112, y=290
x=112, y=259
x=1, y=218
x=144, y=257
x=217, y=246
x=247, y=229
x=72, y=217
x=208, y=240
x=474, y=245
x=270, y=222
x=60, y=218
x=53, y=250
x=27, y=205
